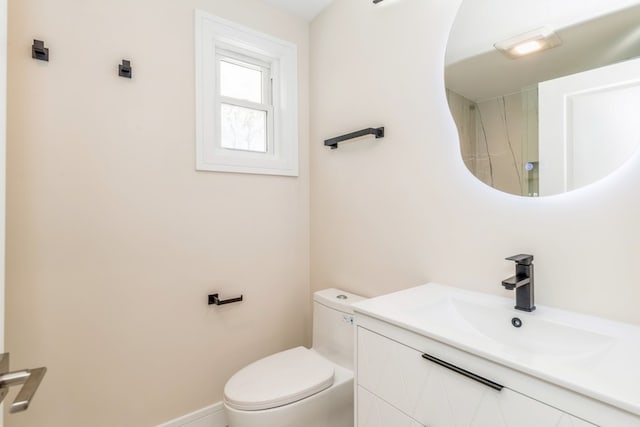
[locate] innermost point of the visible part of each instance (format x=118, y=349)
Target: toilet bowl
x=300, y=386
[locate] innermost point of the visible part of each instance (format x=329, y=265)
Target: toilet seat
x=278, y=380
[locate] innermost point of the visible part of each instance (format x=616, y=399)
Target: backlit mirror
x=545, y=93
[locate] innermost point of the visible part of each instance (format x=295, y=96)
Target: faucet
x=522, y=282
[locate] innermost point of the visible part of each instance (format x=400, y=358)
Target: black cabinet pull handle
x=464, y=372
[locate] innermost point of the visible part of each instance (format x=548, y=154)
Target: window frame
x=217, y=38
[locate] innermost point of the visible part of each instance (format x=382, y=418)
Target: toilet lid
x=278, y=379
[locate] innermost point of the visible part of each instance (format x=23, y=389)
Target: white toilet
x=301, y=387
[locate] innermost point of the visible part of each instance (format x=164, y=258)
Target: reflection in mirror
x=555, y=118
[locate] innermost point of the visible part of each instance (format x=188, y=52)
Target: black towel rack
x=333, y=142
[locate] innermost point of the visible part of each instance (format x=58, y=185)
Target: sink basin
x=487, y=321
x=536, y=335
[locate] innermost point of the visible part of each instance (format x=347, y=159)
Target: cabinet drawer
x=375, y=412
x=437, y=396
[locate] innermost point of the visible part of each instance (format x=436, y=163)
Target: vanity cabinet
x=398, y=386
x=375, y=412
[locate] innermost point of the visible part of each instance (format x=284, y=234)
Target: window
x=246, y=100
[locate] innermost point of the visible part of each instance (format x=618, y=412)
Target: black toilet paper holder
x=215, y=300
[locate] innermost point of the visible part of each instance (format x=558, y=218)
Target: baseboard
x=211, y=416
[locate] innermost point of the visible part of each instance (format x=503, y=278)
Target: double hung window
x=244, y=103
x=246, y=91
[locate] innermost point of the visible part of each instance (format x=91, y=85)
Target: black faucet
x=522, y=282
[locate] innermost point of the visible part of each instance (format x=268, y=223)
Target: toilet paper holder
x=214, y=299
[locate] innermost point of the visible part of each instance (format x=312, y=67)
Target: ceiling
x=604, y=40
x=307, y=9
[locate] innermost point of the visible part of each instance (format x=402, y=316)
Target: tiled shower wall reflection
x=498, y=137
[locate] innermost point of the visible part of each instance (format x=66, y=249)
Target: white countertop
x=596, y=357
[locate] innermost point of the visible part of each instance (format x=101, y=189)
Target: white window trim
x=215, y=35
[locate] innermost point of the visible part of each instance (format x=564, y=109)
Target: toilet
x=300, y=386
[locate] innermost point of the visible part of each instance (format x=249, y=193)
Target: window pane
x=243, y=128
x=240, y=82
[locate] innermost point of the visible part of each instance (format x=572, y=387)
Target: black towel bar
x=333, y=142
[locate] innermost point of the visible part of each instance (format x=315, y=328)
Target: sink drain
x=516, y=322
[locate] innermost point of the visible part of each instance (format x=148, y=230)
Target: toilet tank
x=333, y=325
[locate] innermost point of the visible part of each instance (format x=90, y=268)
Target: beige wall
x=114, y=240
x=397, y=212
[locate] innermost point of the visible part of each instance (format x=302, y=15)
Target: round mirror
x=545, y=94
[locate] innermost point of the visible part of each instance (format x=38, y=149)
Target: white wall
x=397, y=212
x=114, y=240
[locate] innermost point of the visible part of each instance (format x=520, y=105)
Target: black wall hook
x=38, y=51
x=125, y=70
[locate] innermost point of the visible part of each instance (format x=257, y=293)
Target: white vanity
x=439, y=356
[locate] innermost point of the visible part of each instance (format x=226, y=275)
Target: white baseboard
x=211, y=416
